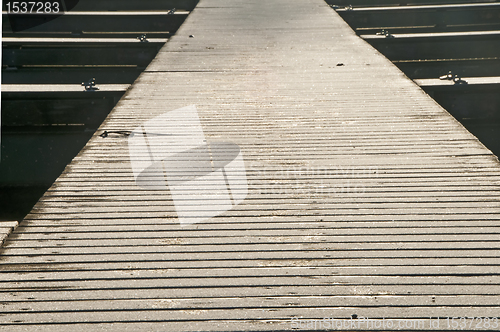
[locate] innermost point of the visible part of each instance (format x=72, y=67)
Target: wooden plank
x=317, y=301
x=127, y=5
x=232, y=325
x=253, y=274
x=77, y=41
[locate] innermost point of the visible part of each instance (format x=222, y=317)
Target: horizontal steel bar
x=416, y=69
x=372, y=3
x=70, y=74
x=95, y=5
x=139, y=54
x=438, y=46
x=424, y=18
x=78, y=22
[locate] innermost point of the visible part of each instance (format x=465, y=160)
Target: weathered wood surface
x=365, y=197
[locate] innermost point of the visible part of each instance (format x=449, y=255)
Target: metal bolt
x=448, y=76
x=143, y=38
x=90, y=85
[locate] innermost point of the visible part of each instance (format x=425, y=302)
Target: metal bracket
x=171, y=11
x=143, y=39
x=348, y=8
x=90, y=85
x=451, y=77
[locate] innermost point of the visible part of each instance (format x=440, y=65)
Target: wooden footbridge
x=366, y=199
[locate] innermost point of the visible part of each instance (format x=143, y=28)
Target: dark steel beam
x=416, y=69
x=70, y=74
x=139, y=54
x=409, y=19
x=438, y=45
x=373, y=3
x=85, y=23
x=479, y=99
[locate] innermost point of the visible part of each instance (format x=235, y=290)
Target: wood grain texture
x=364, y=197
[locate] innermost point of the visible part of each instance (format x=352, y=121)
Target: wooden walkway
x=365, y=198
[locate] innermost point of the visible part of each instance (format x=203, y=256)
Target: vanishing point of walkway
x=365, y=198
